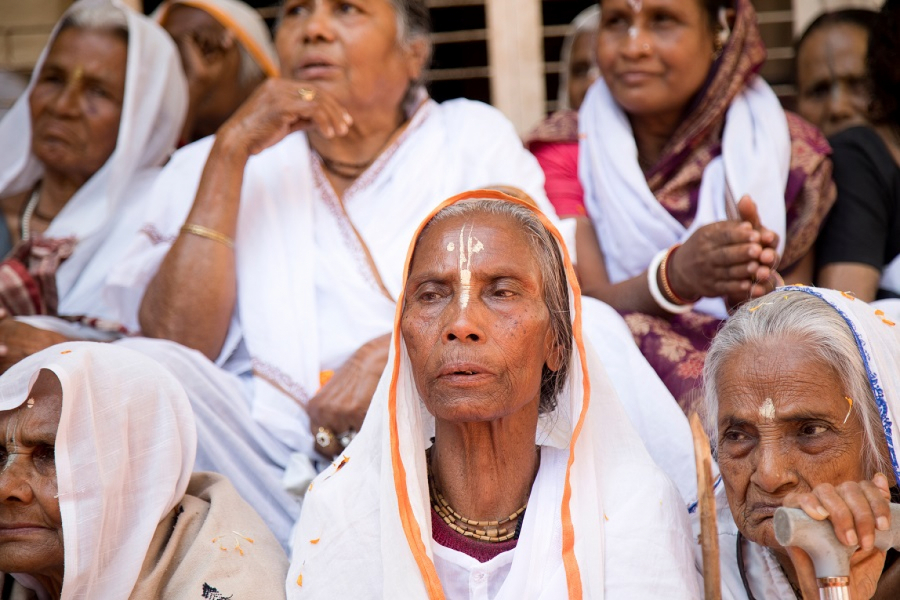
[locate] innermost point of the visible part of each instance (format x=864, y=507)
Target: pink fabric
x=480, y=551
x=559, y=160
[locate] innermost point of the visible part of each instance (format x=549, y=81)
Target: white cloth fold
x=633, y=226
x=369, y=514
x=107, y=211
x=124, y=456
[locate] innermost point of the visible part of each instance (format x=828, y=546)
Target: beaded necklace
x=485, y=531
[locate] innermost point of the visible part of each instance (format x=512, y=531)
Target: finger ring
x=324, y=437
x=346, y=437
x=307, y=94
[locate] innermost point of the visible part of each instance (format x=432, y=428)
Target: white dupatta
x=878, y=341
x=599, y=513
x=307, y=293
x=124, y=455
x=631, y=223
x=106, y=212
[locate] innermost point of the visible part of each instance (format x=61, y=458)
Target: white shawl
x=124, y=455
x=600, y=512
x=106, y=212
x=879, y=346
x=307, y=297
x=631, y=223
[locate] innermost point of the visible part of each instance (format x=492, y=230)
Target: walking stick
x=709, y=531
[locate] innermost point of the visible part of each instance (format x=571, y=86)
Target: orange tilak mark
x=315, y=541
x=848, y=295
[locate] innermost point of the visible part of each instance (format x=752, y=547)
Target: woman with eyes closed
x=699, y=188
x=802, y=402
x=496, y=461
x=80, y=148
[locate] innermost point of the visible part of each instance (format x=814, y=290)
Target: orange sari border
x=407, y=518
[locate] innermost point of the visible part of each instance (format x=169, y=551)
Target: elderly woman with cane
x=802, y=397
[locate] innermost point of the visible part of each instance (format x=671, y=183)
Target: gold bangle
x=208, y=233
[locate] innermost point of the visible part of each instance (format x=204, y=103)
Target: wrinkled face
x=475, y=323
x=76, y=103
x=31, y=535
x=654, y=54
x=582, y=68
x=214, y=42
x=782, y=429
x=831, y=78
x=349, y=48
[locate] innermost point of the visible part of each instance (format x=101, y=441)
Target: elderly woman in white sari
x=528, y=440
x=81, y=146
x=97, y=495
x=803, y=396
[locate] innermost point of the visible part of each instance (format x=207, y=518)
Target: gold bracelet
x=209, y=234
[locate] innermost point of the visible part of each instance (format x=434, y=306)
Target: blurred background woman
x=859, y=246
x=697, y=183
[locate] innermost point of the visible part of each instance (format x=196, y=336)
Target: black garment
x=864, y=225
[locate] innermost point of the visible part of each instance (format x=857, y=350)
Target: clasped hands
x=731, y=259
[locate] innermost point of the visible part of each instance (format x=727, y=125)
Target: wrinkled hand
x=734, y=259
x=856, y=511
x=342, y=402
x=18, y=340
x=276, y=109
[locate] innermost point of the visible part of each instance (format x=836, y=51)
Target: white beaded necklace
x=25, y=225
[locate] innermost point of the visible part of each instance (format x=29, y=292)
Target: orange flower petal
x=886, y=322
x=300, y=579
x=879, y=313
x=315, y=541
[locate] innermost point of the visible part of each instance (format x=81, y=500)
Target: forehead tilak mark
x=767, y=410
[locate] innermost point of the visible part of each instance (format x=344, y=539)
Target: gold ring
x=324, y=437
x=307, y=94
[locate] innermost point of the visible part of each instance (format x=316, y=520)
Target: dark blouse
x=480, y=551
x=864, y=224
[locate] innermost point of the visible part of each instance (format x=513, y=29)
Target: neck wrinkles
x=485, y=469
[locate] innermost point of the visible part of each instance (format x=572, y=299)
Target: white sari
x=600, y=512
x=879, y=345
x=105, y=214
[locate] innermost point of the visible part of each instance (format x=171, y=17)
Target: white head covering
x=877, y=337
x=153, y=111
x=598, y=509
x=124, y=455
x=587, y=21
x=242, y=20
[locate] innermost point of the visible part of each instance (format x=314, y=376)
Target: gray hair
x=814, y=326
x=106, y=17
x=553, y=276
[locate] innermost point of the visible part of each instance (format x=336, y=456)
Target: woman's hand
x=278, y=108
x=856, y=511
x=734, y=259
x=342, y=403
x=19, y=340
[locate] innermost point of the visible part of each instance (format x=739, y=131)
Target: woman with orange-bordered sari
x=489, y=282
